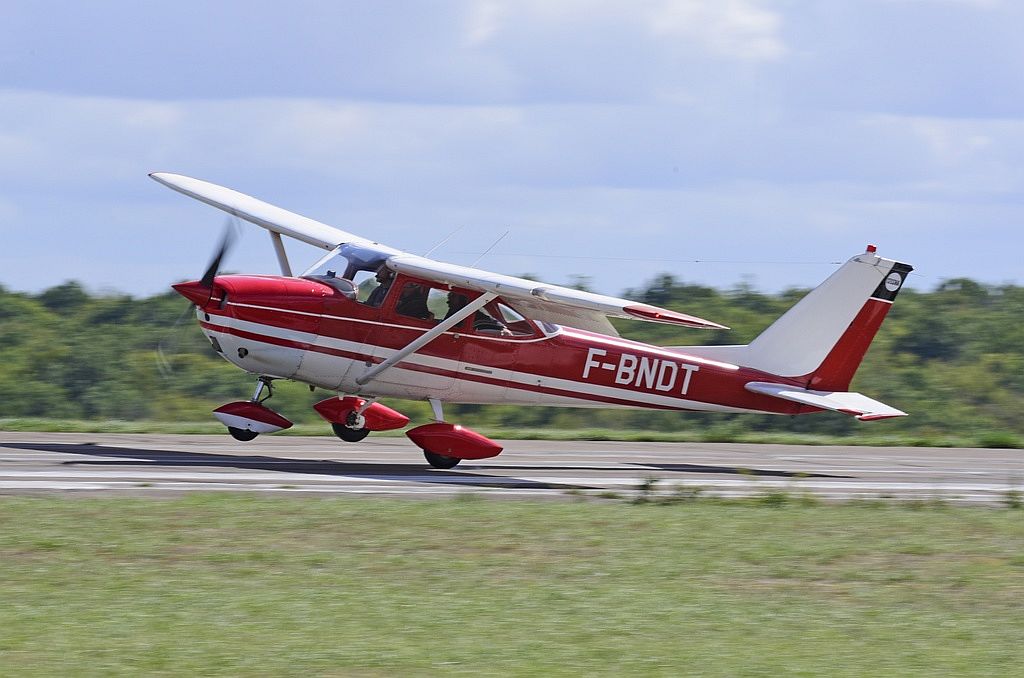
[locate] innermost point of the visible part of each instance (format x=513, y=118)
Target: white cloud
x=484, y=19
x=947, y=140
x=737, y=29
x=668, y=180
x=742, y=30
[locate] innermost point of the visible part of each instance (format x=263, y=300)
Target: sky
x=722, y=141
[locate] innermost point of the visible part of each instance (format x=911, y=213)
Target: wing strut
x=282, y=257
x=427, y=337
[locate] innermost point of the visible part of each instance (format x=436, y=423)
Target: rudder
x=824, y=337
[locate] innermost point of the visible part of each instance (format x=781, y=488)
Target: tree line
x=953, y=357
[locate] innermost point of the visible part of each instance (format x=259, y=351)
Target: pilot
x=482, y=320
x=485, y=322
x=384, y=279
x=413, y=302
x=455, y=303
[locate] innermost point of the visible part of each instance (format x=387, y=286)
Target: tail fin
x=823, y=338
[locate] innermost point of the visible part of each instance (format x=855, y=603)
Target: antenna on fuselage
x=450, y=236
x=488, y=250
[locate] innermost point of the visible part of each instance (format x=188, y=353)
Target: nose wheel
x=246, y=419
x=242, y=434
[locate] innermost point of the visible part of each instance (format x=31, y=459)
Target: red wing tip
x=662, y=315
x=877, y=417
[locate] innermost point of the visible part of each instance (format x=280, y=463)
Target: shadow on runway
x=128, y=456
x=676, y=468
x=737, y=470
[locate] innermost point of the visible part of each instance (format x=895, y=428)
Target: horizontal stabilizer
x=854, y=404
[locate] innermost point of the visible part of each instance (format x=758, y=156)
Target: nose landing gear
x=246, y=419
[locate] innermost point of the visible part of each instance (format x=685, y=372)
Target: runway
x=171, y=464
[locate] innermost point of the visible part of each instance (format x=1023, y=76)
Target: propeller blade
x=230, y=227
x=198, y=293
x=167, y=348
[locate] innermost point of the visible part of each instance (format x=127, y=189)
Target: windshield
x=345, y=261
x=357, y=271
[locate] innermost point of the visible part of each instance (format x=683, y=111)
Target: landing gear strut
x=252, y=414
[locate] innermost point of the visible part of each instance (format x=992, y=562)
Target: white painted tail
x=824, y=336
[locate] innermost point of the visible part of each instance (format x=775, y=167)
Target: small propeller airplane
x=367, y=321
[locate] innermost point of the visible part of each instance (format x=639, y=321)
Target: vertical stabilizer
x=823, y=338
x=825, y=335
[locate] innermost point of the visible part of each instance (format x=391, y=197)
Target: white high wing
x=542, y=302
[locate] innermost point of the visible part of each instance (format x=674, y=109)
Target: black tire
x=350, y=435
x=440, y=461
x=245, y=435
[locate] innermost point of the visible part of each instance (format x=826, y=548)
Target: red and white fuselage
x=369, y=321
x=306, y=330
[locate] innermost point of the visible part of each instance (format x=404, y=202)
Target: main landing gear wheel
x=350, y=435
x=245, y=435
x=440, y=461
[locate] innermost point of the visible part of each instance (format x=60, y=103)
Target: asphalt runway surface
x=170, y=464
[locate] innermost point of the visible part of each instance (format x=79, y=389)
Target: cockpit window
x=373, y=286
x=362, y=267
x=412, y=302
x=514, y=323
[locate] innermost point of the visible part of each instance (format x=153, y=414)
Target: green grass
x=244, y=585
x=982, y=439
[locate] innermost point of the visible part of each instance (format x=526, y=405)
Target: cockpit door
x=412, y=308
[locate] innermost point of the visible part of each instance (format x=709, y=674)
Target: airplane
x=367, y=321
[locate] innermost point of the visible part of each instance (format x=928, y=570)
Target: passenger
x=413, y=302
x=482, y=320
x=456, y=302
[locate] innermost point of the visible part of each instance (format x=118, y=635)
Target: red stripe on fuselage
x=494, y=381
x=438, y=371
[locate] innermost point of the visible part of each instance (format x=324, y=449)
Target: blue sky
x=615, y=140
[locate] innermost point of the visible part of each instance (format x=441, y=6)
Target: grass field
x=1002, y=439
x=243, y=585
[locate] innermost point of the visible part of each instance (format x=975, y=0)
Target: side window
x=366, y=283
x=514, y=322
x=500, y=320
x=437, y=303
x=412, y=301
x=373, y=286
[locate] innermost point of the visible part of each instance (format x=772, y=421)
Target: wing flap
x=854, y=404
x=256, y=211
